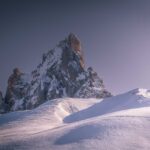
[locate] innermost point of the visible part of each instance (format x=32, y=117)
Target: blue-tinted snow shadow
x=81, y=133
x=15, y=116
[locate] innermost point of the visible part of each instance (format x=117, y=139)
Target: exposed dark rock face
x=75, y=44
x=61, y=73
x=93, y=86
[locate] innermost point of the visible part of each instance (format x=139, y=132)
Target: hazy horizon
x=114, y=34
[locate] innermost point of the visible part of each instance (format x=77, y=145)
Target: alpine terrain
x=62, y=105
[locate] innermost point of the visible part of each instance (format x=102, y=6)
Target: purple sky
x=115, y=36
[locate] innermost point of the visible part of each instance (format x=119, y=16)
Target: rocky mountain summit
x=61, y=73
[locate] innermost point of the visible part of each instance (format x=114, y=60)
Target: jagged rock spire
x=75, y=44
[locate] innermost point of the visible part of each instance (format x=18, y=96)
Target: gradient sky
x=115, y=36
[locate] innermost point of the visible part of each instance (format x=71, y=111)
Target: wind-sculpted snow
x=134, y=99
x=118, y=123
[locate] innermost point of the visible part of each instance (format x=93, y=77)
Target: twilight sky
x=115, y=36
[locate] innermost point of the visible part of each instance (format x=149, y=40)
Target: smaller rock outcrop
x=16, y=90
x=2, y=109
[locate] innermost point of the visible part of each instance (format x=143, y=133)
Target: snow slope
x=118, y=123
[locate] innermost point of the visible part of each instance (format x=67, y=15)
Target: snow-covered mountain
x=61, y=73
x=117, y=123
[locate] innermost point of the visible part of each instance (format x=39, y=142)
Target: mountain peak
x=60, y=74
x=72, y=49
x=74, y=42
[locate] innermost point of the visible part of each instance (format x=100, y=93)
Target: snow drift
x=121, y=122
